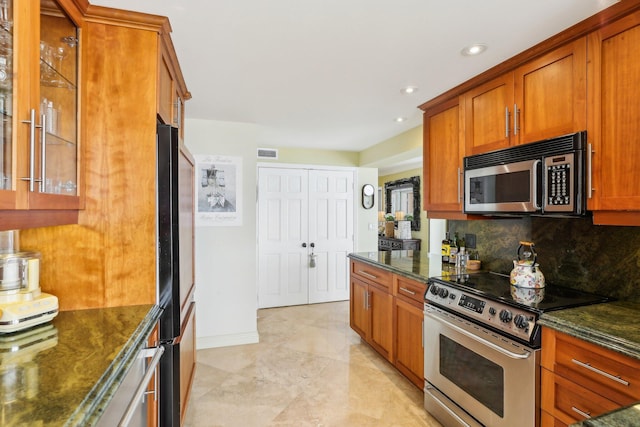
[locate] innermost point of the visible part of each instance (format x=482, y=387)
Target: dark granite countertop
x=413, y=264
x=614, y=325
x=65, y=372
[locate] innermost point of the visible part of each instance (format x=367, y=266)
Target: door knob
x=304, y=245
x=313, y=245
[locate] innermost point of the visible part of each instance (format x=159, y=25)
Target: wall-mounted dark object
x=392, y=191
x=368, y=192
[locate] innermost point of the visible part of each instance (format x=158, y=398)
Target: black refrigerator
x=173, y=237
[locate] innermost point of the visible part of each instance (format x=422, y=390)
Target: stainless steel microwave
x=540, y=178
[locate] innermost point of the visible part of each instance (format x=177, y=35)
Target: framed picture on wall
x=218, y=185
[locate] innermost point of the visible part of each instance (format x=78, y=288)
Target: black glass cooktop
x=497, y=287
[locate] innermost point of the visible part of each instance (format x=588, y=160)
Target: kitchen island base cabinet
x=582, y=380
x=386, y=311
x=371, y=316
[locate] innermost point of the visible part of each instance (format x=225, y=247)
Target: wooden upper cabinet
x=488, y=111
x=443, y=152
x=40, y=156
x=541, y=99
x=551, y=92
x=172, y=93
x=614, y=124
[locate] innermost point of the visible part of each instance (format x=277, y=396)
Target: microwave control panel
x=559, y=177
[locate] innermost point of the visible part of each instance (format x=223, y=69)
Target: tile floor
x=309, y=369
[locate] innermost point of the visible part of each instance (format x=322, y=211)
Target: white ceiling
x=328, y=73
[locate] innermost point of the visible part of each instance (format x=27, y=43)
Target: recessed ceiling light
x=408, y=90
x=400, y=119
x=474, y=49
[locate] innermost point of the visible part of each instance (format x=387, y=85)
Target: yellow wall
x=314, y=157
x=404, y=146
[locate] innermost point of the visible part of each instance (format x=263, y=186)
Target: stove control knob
x=505, y=316
x=434, y=289
x=521, y=321
x=443, y=293
x=492, y=311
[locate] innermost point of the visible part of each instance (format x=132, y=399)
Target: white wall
x=225, y=257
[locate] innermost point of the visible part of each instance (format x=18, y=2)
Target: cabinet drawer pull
x=600, y=372
x=409, y=291
x=581, y=413
x=364, y=273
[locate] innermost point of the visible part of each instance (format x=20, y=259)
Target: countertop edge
x=357, y=257
x=92, y=406
x=590, y=335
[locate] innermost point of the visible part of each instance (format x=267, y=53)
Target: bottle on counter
x=453, y=251
x=445, y=248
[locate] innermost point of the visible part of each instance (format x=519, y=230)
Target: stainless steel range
x=482, y=348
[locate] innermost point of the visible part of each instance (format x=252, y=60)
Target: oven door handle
x=481, y=340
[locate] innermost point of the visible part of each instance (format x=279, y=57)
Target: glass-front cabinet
x=39, y=98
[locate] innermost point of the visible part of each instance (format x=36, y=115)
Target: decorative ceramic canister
x=526, y=272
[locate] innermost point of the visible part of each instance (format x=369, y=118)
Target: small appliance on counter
x=22, y=303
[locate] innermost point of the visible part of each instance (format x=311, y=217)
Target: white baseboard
x=227, y=340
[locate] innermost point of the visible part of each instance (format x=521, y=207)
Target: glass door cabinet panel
x=6, y=94
x=39, y=144
x=58, y=109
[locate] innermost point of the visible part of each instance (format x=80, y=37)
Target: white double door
x=304, y=214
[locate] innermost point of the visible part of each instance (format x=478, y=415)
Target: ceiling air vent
x=268, y=153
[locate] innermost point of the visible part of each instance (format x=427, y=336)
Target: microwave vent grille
x=548, y=147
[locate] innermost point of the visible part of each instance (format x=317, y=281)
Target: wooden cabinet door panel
x=368, y=273
x=614, y=90
x=187, y=358
x=488, y=111
x=408, y=289
x=381, y=332
x=570, y=402
x=409, y=358
x=443, y=152
x=358, y=313
x=550, y=93
x=577, y=360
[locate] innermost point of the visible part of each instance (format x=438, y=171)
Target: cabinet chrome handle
x=600, y=372
x=369, y=275
x=506, y=122
x=581, y=413
x=589, y=171
x=516, y=125
x=409, y=291
x=43, y=153
x=142, y=386
x=32, y=149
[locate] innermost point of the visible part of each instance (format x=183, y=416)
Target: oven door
x=470, y=370
x=508, y=188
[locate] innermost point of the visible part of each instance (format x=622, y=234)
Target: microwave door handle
x=536, y=193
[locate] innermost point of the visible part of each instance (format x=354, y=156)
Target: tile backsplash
x=571, y=251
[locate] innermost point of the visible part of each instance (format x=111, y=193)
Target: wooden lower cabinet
x=371, y=315
x=409, y=357
x=386, y=310
x=581, y=380
x=187, y=358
